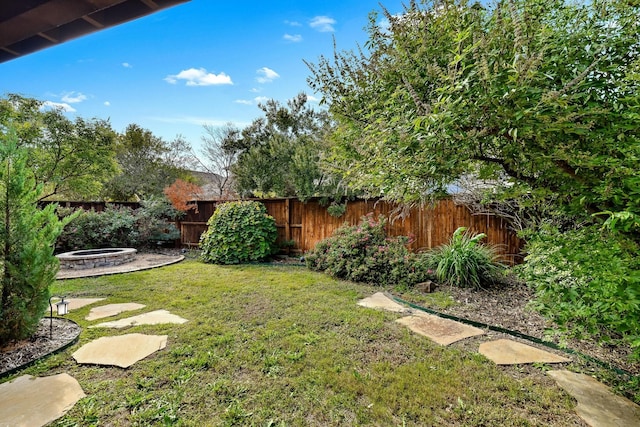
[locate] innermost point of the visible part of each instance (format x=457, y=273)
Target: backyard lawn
x=277, y=345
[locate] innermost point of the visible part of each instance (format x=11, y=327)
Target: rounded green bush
x=238, y=232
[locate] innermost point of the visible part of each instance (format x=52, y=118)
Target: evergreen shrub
x=27, y=241
x=238, y=232
x=115, y=227
x=364, y=253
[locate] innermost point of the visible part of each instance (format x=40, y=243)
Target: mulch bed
x=506, y=306
x=19, y=354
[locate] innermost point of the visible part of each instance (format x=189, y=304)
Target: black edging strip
x=56, y=351
x=517, y=334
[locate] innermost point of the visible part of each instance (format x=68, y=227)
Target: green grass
x=276, y=346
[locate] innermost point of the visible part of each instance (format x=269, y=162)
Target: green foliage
x=148, y=165
x=280, y=153
x=364, y=253
x=336, y=209
x=238, y=232
x=587, y=281
x=70, y=159
x=464, y=262
x=112, y=228
x=543, y=95
x=27, y=241
x=116, y=227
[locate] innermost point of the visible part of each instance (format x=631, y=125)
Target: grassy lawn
x=271, y=346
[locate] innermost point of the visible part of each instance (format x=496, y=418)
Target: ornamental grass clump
x=465, y=262
x=238, y=232
x=364, y=253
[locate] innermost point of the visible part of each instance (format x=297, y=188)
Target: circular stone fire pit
x=94, y=258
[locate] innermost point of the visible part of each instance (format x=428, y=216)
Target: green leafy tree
x=540, y=94
x=27, y=242
x=148, y=164
x=70, y=159
x=281, y=153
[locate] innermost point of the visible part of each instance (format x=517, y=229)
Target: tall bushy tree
x=71, y=158
x=27, y=242
x=280, y=154
x=148, y=164
x=542, y=94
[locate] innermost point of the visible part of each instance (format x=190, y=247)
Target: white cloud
x=107, y=104
x=312, y=98
x=293, y=23
x=260, y=99
x=294, y=38
x=73, y=97
x=255, y=90
x=323, y=24
x=59, y=105
x=243, y=101
x=199, y=77
x=127, y=65
x=266, y=75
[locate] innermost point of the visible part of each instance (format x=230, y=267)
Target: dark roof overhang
x=27, y=26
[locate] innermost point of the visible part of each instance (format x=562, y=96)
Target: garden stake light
x=62, y=307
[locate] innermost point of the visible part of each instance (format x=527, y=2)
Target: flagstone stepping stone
x=440, y=330
x=157, y=317
x=122, y=351
x=508, y=352
x=597, y=405
x=76, y=303
x=30, y=401
x=112, y=310
x=380, y=300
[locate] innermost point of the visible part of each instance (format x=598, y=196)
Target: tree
x=148, y=164
x=542, y=95
x=280, y=154
x=71, y=159
x=27, y=241
x=182, y=194
x=220, y=153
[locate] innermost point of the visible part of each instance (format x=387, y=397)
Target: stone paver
x=122, y=351
x=442, y=331
x=597, y=405
x=76, y=303
x=509, y=352
x=157, y=317
x=29, y=401
x=112, y=310
x=380, y=300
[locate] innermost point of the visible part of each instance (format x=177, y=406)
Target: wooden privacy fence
x=302, y=225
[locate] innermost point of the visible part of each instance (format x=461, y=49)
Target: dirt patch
x=20, y=353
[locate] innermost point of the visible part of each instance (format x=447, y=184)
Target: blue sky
x=202, y=62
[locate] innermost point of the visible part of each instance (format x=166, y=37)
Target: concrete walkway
x=597, y=405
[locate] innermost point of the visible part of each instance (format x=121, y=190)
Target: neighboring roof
x=30, y=25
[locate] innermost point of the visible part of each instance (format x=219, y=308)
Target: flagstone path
x=29, y=401
x=152, y=318
x=110, y=310
x=597, y=405
x=122, y=351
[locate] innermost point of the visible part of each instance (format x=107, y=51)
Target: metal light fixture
x=62, y=307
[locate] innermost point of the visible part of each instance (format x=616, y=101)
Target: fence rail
x=302, y=225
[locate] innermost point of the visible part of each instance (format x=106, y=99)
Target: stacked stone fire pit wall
x=95, y=258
